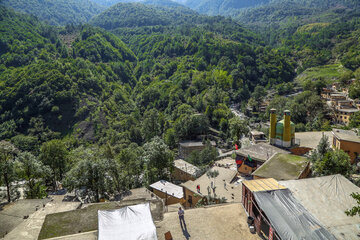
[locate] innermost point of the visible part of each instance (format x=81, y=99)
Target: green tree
x=213, y=174
x=203, y=157
x=7, y=169
x=355, y=120
x=55, y=155
x=356, y=209
x=151, y=126
x=158, y=159
x=333, y=162
x=238, y=128
x=91, y=173
x=33, y=171
x=131, y=166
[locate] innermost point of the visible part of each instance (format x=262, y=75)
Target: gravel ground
x=215, y=222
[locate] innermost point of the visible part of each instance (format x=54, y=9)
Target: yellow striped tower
x=272, y=131
x=287, y=129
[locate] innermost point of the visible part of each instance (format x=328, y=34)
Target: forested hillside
x=281, y=18
x=57, y=12
x=138, y=15
x=68, y=88
x=222, y=7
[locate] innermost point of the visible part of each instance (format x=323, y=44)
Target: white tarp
x=128, y=223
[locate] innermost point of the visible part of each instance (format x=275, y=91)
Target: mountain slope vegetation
x=57, y=12
x=137, y=15
x=222, y=7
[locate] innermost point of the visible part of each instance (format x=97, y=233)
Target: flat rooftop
x=348, y=110
x=312, y=139
x=327, y=198
x=86, y=219
x=259, y=185
x=346, y=135
x=255, y=132
x=260, y=152
x=227, y=163
x=215, y=222
x=195, y=143
x=282, y=167
x=231, y=192
x=169, y=188
x=186, y=167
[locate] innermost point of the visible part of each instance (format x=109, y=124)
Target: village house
x=257, y=136
x=250, y=158
x=347, y=141
x=276, y=214
x=335, y=96
x=309, y=141
x=170, y=193
x=184, y=171
x=220, y=188
x=342, y=115
x=284, y=167
x=326, y=92
x=187, y=147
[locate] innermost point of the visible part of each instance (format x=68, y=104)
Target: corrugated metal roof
x=267, y=184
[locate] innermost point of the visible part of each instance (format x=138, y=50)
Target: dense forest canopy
x=57, y=12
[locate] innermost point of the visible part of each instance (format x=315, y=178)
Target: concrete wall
x=351, y=148
x=306, y=172
x=342, y=118
x=184, y=151
x=246, y=169
x=300, y=151
x=190, y=195
x=179, y=175
x=168, y=199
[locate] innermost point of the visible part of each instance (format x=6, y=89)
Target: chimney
x=287, y=129
x=272, y=131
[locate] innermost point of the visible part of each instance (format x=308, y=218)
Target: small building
x=334, y=97
x=282, y=133
x=250, y=158
x=327, y=198
x=284, y=167
x=170, y=193
x=347, y=141
x=184, y=171
x=220, y=188
x=309, y=141
x=277, y=214
x=326, y=92
x=344, y=104
x=342, y=116
x=187, y=147
x=257, y=136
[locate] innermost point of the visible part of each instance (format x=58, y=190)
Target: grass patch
x=330, y=73
x=282, y=167
x=78, y=221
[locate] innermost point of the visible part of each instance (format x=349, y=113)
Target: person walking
x=181, y=217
